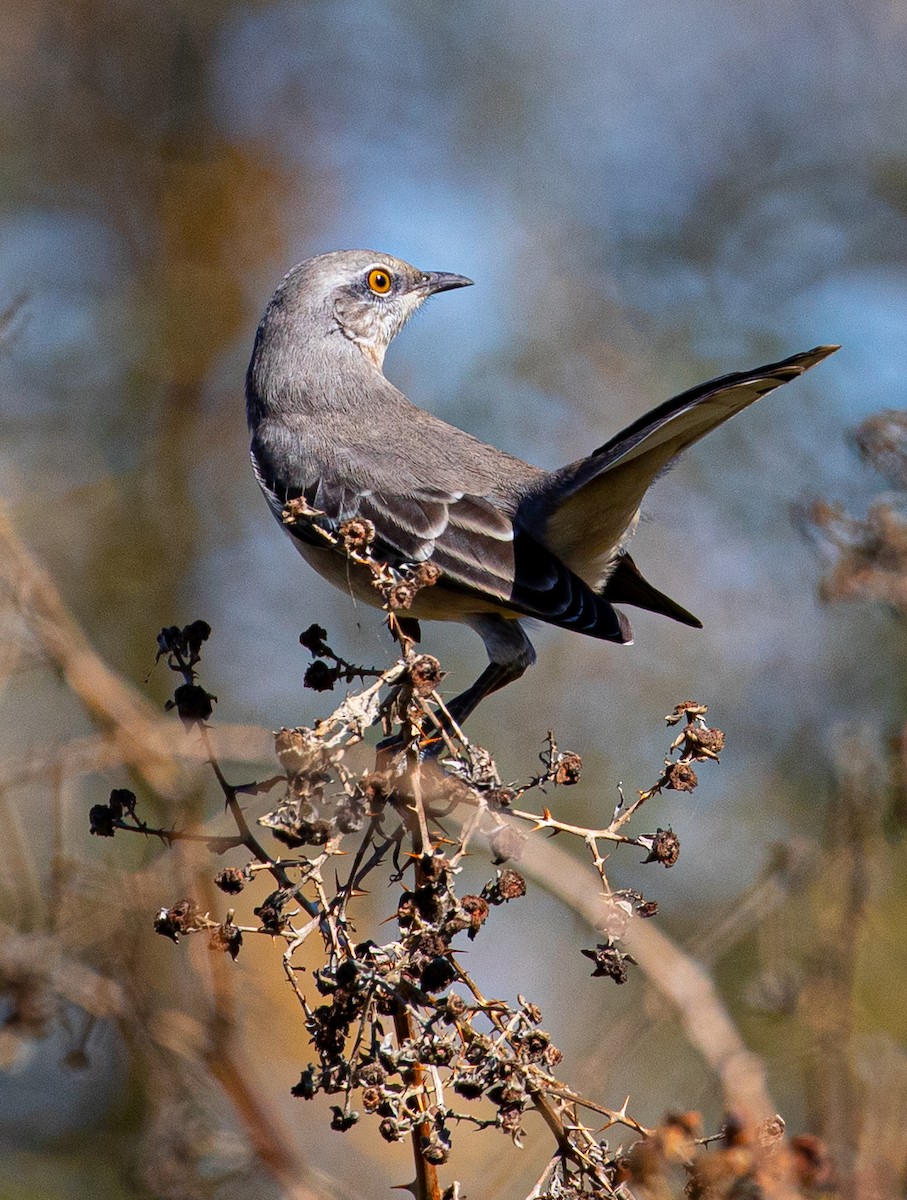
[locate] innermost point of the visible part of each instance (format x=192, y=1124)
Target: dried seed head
x=532, y=1047
x=269, y=912
x=226, y=938
x=425, y=674
x=476, y=908
x=378, y=787
x=306, y=1088
x=700, y=743
x=319, y=677
x=479, y=1050
x=391, y=1130
x=182, y=917
x=299, y=509
x=295, y=748
x=435, y=1148
x=609, y=961
x=506, y=842
x=532, y=1011
x=680, y=777
x=426, y=575
x=437, y=975
x=428, y=903
x=688, y=709
x=314, y=640
x=552, y=1056
x=101, y=818
x=509, y=1119
x=568, y=770
x=508, y=885
x=193, y=704
x=370, y=1074
x=770, y=1131
x=357, y=535
x=501, y=797
x=231, y=880
x=406, y=910
x=436, y=1053
x=665, y=848
x=121, y=802
x=453, y=1008
x=427, y=943
x=182, y=646
x=435, y=868
x=401, y=595
x=289, y=824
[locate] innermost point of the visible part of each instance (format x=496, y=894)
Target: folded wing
x=469, y=538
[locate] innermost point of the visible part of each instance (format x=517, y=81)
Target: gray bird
x=510, y=540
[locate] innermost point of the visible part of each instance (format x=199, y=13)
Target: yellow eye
x=380, y=281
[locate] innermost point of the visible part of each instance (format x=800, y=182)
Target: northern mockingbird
x=510, y=540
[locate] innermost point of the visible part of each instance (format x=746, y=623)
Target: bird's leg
x=494, y=677
x=510, y=652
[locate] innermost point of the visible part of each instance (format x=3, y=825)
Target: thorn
x=407, y=1187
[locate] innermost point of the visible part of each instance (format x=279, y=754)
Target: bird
x=507, y=540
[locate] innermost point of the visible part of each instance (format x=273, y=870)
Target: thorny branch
x=400, y=1030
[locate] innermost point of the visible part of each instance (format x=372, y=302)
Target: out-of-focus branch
x=272, y=1142
x=677, y=977
x=827, y=1003
x=134, y=733
x=101, y=752
x=57, y=978
x=868, y=555
x=108, y=699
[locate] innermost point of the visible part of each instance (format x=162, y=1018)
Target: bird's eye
x=380, y=281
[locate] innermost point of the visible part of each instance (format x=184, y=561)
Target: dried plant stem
x=426, y=1186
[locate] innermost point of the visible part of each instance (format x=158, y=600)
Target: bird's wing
x=596, y=498
x=468, y=537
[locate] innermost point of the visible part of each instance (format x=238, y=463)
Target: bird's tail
x=589, y=506
x=626, y=585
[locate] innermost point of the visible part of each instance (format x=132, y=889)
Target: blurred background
x=646, y=196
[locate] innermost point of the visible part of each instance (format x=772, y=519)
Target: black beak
x=442, y=281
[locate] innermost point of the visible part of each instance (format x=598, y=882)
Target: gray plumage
x=509, y=539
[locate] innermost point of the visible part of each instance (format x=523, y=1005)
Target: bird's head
x=364, y=296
